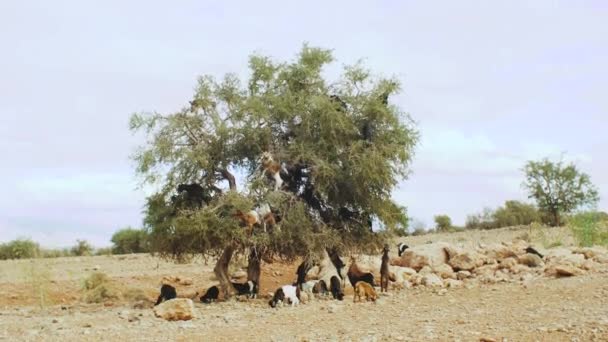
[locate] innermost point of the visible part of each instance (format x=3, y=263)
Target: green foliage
x=103, y=251
x=98, y=288
x=443, y=223
x=558, y=188
x=55, y=253
x=343, y=158
x=19, y=249
x=589, y=228
x=513, y=213
x=130, y=240
x=82, y=248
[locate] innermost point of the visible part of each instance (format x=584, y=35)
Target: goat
x=211, y=294
x=320, y=288
x=249, y=219
x=363, y=289
x=290, y=292
x=355, y=274
x=167, y=292
x=308, y=286
x=301, y=272
x=272, y=169
x=384, y=272
x=250, y=288
x=533, y=251
x=336, y=288
x=401, y=247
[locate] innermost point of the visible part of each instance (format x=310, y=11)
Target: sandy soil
x=40, y=300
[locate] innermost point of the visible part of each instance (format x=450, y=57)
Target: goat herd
x=361, y=281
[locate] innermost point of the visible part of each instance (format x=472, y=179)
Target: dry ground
x=40, y=300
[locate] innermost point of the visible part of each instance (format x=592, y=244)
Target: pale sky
x=491, y=85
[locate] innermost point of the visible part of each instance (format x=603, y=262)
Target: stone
x=452, y=283
x=444, y=271
x=566, y=271
x=508, y=262
x=425, y=270
x=417, y=257
x=178, y=309
x=461, y=275
x=499, y=251
x=530, y=260
x=464, y=260
x=431, y=280
x=563, y=256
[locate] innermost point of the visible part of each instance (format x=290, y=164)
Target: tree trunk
x=254, y=266
x=557, y=219
x=230, y=178
x=221, y=271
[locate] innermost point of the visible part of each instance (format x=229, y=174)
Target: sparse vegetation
x=19, y=249
x=589, y=229
x=130, y=240
x=82, y=248
x=98, y=288
x=513, y=213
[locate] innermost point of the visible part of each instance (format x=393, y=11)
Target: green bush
x=55, y=253
x=19, y=249
x=130, y=240
x=443, y=223
x=515, y=213
x=98, y=288
x=82, y=248
x=103, y=251
x=589, y=229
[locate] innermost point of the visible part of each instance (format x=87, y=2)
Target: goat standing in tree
x=272, y=169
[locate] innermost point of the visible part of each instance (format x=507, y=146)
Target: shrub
x=419, y=231
x=589, y=229
x=98, y=288
x=104, y=251
x=19, y=249
x=130, y=240
x=82, y=248
x=515, y=213
x=483, y=220
x=443, y=223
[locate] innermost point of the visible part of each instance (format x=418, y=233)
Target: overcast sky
x=491, y=85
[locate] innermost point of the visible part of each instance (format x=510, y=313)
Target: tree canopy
x=342, y=148
x=558, y=188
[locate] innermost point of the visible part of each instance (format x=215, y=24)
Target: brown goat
x=249, y=219
x=363, y=289
x=355, y=274
x=384, y=272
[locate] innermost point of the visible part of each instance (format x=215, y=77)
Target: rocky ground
x=500, y=300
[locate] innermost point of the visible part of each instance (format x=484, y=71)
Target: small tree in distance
x=558, y=188
x=443, y=223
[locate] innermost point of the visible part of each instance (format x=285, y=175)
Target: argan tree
x=342, y=148
x=558, y=188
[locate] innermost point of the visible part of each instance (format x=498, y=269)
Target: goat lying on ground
x=167, y=292
x=355, y=274
x=401, y=247
x=533, y=251
x=363, y=289
x=211, y=295
x=250, y=288
x=384, y=272
x=290, y=292
x=336, y=288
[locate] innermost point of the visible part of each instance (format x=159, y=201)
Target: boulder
x=178, y=309
x=530, y=260
x=444, y=271
x=425, y=270
x=417, y=257
x=453, y=283
x=563, y=256
x=464, y=260
x=508, y=263
x=591, y=252
x=431, y=280
x=566, y=271
x=461, y=275
x=499, y=251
